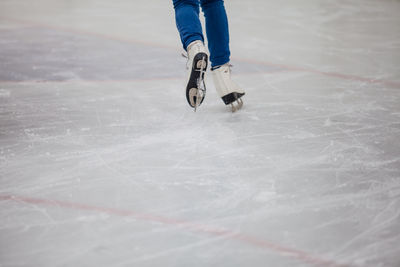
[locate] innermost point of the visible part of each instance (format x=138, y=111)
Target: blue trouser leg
x=189, y=27
x=187, y=21
x=217, y=31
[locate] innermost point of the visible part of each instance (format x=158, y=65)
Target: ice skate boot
x=197, y=66
x=229, y=91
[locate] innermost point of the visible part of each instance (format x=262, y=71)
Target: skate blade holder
x=236, y=105
x=197, y=95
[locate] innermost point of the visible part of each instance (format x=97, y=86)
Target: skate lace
x=185, y=55
x=229, y=65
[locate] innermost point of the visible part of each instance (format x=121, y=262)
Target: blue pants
x=189, y=26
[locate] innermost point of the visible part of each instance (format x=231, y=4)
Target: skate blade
x=196, y=97
x=236, y=105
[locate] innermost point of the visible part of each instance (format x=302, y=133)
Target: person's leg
x=218, y=44
x=191, y=33
x=217, y=31
x=187, y=21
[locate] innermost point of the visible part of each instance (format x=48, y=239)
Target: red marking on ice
x=190, y=226
x=326, y=73
x=165, y=46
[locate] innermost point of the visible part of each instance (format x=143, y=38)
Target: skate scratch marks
x=167, y=252
x=379, y=223
x=189, y=226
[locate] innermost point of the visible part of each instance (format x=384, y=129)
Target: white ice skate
x=229, y=91
x=197, y=66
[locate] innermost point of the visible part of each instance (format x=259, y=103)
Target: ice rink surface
x=103, y=163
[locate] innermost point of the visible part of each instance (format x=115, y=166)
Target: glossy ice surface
x=103, y=163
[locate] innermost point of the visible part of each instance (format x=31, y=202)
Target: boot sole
x=198, y=65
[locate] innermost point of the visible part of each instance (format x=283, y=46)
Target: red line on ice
x=159, y=45
x=229, y=234
x=326, y=73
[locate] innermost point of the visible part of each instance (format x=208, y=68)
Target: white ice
x=103, y=163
